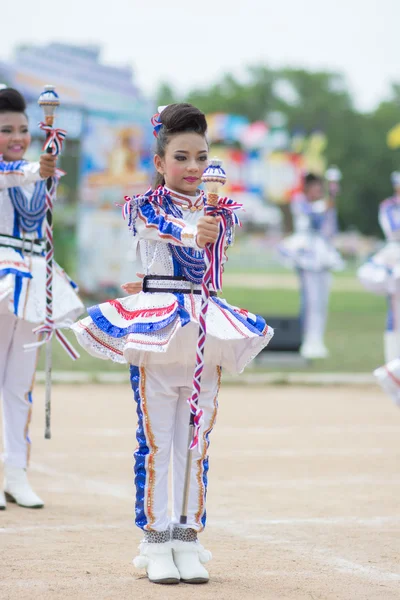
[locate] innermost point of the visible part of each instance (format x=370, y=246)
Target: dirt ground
x=303, y=499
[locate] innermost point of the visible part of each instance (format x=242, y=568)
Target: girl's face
x=14, y=135
x=314, y=191
x=186, y=158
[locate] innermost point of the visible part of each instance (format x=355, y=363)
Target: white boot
x=388, y=378
x=189, y=557
x=2, y=501
x=391, y=341
x=313, y=348
x=17, y=488
x=158, y=561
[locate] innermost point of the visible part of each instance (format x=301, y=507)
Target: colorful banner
x=115, y=162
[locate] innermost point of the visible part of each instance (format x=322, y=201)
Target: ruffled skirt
x=309, y=252
x=381, y=273
x=163, y=328
x=23, y=284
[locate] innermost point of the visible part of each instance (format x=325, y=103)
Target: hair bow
x=156, y=121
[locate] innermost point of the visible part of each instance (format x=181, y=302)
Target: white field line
x=305, y=429
x=228, y=524
x=312, y=552
x=81, y=483
x=369, y=522
x=71, y=528
x=310, y=429
x=362, y=480
x=279, y=453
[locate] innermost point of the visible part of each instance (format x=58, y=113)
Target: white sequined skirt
x=381, y=273
x=22, y=289
x=309, y=252
x=162, y=328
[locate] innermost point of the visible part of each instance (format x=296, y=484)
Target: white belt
x=27, y=246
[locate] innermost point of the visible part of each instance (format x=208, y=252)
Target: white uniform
x=381, y=274
x=156, y=332
x=22, y=299
x=311, y=252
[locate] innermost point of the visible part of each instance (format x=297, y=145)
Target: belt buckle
x=145, y=283
x=191, y=287
x=30, y=250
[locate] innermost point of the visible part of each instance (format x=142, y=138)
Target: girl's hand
x=207, y=230
x=133, y=287
x=47, y=165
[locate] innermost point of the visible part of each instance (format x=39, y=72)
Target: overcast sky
x=188, y=43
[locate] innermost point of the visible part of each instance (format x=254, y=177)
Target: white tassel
x=140, y=562
x=180, y=546
x=146, y=548
x=204, y=555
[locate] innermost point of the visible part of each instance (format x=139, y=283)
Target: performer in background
x=388, y=378
x=156, y=332
x=381, y=273
x=22, y=289
x=311, y=252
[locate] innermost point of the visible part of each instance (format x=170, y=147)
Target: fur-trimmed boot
x=2, y=501
x=17, y=488
x=190, y=556
x=155, y=555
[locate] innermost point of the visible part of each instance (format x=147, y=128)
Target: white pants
x=17, y=373
x=315, y=289
x=392, y=333
x=161, y=393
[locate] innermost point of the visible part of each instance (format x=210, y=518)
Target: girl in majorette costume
x=311, y=252
x=381, y=273
x=156, y=330
x=22, y=289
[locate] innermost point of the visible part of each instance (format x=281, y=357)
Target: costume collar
x=185, y=202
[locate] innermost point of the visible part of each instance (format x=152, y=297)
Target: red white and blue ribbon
x=54, y=139
x=46, y=331
x=213, y=257
x=156, y=122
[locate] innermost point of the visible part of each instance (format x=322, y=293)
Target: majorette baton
x=214, y=178
x=49, y=100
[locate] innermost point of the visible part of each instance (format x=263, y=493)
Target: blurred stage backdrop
x=108, y=154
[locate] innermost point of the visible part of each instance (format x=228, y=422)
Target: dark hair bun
x=311, y=178
x=11, y=101
x=183, y=117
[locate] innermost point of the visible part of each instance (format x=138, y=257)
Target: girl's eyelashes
x=181, y=157
x=9, y=130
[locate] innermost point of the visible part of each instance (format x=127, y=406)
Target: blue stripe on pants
x=140, y=454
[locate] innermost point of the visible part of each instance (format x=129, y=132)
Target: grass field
x=354, y=335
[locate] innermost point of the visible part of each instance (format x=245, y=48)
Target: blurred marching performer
x=381, y=273
x=156, y=331
x=22, y=289
x=311, y=252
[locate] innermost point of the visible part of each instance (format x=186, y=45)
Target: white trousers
x=161, y=393
x=315, y=289
x=392, y=333
x=17, y=373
